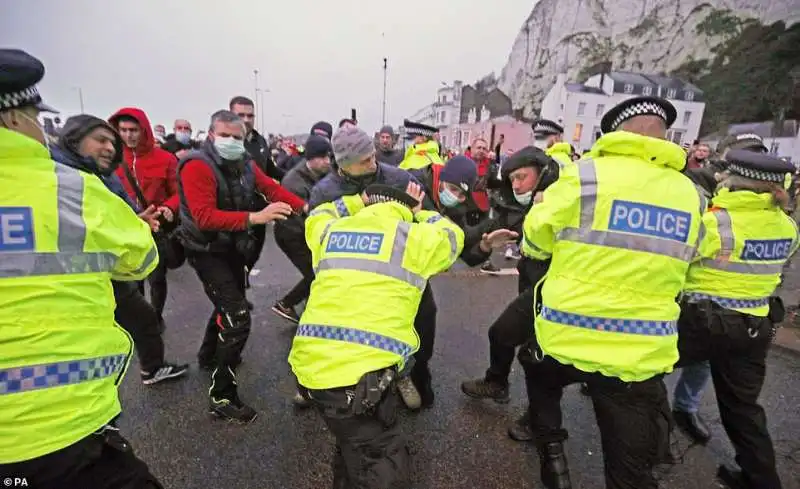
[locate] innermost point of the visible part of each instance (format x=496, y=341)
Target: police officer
x=218, y=185
x=548, y=136
x=728, y=312
x=424, y=151
x=346, y=359
x=621, y=229
x=63, y=237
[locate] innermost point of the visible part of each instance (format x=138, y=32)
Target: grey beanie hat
x=387, y=130
x=351, y=145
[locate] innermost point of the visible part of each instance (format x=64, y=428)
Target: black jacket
x=335, y=185
x=299, y=180
x=173, y=145
x=258, y=148
x=389, y=156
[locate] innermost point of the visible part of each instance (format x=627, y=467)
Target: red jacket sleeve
x=200, y=189
x=274, y=192
x=173, y=201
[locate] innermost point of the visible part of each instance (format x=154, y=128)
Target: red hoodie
x=481, y=197
x=156, y=170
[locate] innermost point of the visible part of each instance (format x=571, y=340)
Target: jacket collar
x=388, y=209
x=561, y=147
x=67, y=157
x=15, y=145
x=657, y=152
x=743, y=200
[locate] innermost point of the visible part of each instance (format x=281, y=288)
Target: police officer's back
x=63, y=236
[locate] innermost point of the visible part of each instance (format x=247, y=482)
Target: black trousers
x=158, y=289
x=736, y=346
x=140, y=320
x=633, y=417
x=425, y=325
x=294, y=247
x=223, y=277
x=371, y=449
x=92, y=463
x=512, y=328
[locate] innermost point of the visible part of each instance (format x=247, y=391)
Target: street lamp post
x=80, y=97
x=260, y=96
x=258, y=109
x=383, y=113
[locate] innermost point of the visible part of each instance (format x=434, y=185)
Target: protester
x=480, y=196
x=154, y=171
x=386, y=153
x=180, y=141
x=160, y=134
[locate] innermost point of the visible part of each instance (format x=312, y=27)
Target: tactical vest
x=235, y=192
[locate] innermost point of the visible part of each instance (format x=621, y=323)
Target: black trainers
x=484, y=389
x=285, y=312
x=231, y=410
x=521, y=429
x=164, y=372
x=210, y=365
x=731, y=478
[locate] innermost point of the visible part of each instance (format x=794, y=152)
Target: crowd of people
x=635, y=259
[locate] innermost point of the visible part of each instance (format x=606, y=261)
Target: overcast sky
x=318, y=58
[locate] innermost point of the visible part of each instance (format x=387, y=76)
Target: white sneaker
x=409, y=393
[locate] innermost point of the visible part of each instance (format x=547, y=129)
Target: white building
x=445, y=110
x=784, y=143
x=580, y=107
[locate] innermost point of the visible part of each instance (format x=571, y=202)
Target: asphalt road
x=459, y=443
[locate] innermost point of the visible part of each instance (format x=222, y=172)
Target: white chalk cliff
x=646, y=36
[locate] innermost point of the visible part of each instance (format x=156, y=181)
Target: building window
x=687, y=116
x=648, y=90
x=689, y=96
x=596, y=133
x=601, y=109
x=444, y=99
x=576, y=136
x=441, y=116
x=628, y=88
x=581, y=108
x=675, y=136
x=671, y=93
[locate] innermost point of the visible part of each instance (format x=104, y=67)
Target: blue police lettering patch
x=650, y=220
x=352, y=242
x=16, y=229
x=766, y=249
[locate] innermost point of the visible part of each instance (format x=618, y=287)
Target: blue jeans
x=690, y=386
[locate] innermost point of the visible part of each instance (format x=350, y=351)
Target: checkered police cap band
x=380, y=199
x=642, y=108
x=757, y=174
x=750, y=136
x=545, y=127
x=19, y=99
x=415, y=131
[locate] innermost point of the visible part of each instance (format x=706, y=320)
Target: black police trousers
x=158, y=289
x=223, y=276
x=95, y=462
x=425, y=325
x=736, y=346
x=139, y=319
x=633, y=417
x=371, y=449
x=295, y=248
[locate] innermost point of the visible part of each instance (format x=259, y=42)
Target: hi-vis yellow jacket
x=63, y=237
x=621, y=228
x=739, y=263
x=561, y=152
x=371, y=266
x=422, y=155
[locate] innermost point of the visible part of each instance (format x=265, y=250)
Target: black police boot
x=483, y=388
x=421, y=377
x=693, y=425
x=521, y=429
x=732, y=478
x=555, y=473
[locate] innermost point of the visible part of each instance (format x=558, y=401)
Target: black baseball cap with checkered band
x=19, y=74
x=759, y=166
x=637, y=106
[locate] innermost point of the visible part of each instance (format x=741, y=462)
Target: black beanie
x=461, y=172
x=317, y=146
x=322, y=128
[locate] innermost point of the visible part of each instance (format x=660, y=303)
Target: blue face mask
x=229, y=148
x=447, y=198
x=183, y=137
x=525, y=198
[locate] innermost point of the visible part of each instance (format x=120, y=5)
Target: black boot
x=555, y=473
x=421, y=377
x=732, y=478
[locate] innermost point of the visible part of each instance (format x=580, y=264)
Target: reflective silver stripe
x=33, y=377
x=742, y=267
x=451, y=236
x=374, y=266
x=727, y=240
x=71, y=227
x=325, y=231
x=58, y=263
x=633, y=242
x=317, y=212
x=148, y=260
x=588, y=178
x=393, y=268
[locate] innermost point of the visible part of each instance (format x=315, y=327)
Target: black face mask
x=361, y=180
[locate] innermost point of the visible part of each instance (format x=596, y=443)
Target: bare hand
x=167, y=213
x=276, y=211
x=538, y=198
x=497, y=239
x=180, y=154
x=150, y=216
x=415, y=191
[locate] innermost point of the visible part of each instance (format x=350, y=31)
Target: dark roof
x=653, y=81
x=579, y=87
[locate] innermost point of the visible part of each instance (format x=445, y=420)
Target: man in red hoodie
x=219, y=211
x=480, y=155
x=154, y=170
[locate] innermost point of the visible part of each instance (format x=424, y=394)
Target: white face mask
x=525, y=198
x=229, y=148
x=541, y=144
